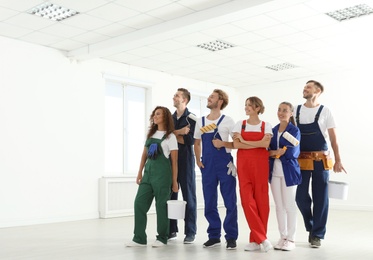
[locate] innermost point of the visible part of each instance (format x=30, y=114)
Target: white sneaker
x=134, y=244
x=280, y=244
x=288, y=246
x=252, y=247
x=266, y=245
x=158, y=243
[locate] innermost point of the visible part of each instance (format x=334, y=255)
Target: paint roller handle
x=283, y=148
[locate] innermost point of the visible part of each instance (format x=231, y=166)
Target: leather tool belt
x=306, y=160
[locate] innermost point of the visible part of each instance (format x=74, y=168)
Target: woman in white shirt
x=160, y=174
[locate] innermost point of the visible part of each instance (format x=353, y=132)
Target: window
x=197, y=105
x=125, y=127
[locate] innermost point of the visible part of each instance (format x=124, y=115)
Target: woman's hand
x=175, y=186
x=237, y=136
x=139, y=178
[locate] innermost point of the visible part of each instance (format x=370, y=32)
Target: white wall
x=52, y=130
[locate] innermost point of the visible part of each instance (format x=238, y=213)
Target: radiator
x=116, y=196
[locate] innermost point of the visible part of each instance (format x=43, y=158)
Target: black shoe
x=189, y=239
x=231, y=244
x=172, y=236
x=315, y=242
x=212, y=242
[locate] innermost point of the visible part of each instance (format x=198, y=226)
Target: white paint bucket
x=176, y=209
x=338, y=190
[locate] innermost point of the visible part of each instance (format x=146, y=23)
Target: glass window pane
x=113, y=128
x=135, y=127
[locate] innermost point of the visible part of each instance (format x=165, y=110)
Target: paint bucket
x=338, y=190
x=176, y=209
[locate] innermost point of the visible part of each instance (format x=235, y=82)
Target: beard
x=212, y=105
x=307, y=96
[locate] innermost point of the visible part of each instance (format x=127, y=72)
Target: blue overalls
x=186, y=176
x=315, y=217
x=215, y=169
x=155, y=183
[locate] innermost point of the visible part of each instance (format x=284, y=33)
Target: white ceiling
x=163, y=34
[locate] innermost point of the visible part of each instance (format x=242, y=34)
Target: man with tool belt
x=316, y=124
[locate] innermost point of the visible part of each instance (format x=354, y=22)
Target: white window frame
x=124, y=81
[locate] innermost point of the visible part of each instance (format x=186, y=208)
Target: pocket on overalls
x=327, y=162
x=305, y=164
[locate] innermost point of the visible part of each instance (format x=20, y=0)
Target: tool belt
x=306, y=160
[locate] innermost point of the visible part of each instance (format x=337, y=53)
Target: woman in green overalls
x=159, y=174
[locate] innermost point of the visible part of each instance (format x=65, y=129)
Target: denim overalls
x=315, y=217
x=214, y=173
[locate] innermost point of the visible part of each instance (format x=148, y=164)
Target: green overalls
x=155, y=183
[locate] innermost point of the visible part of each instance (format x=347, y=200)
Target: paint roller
x=192, y=116
x=289, y=138
x=206, y=128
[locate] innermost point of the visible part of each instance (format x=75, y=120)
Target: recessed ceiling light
x=281, y=66
x=52, y=11
x=351, y=12
x=215, y=45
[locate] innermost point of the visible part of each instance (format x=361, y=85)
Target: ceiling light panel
x=52, y=11
x=281, y=66
x=215, y=45
x=350, y=12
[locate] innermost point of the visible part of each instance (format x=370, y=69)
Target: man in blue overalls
x=212, y=141
x=184, y=132
x=316, y=123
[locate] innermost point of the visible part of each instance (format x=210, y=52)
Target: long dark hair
x=167, y=117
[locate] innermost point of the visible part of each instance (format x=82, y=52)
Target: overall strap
x=316, y=116
x=318, y=113
x=297, y=114
x=262, y=127
x=243, y=124
x=217, y=125
x=221, y=119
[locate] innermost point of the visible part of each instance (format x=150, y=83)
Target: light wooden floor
x=349, y=236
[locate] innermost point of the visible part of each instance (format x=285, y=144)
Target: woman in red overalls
x=251, y=138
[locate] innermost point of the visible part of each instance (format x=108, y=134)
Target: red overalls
x=253, y=172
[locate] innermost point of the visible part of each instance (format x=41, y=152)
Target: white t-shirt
x=224, y=129
x=168, y=144
x=326, y=119
x=277, y=164
x=253, y=128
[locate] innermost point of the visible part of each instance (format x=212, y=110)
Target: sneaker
x=288, y=245
x=189, y=239
x=252, y=247
x=315, y=242
x=158, y=243
x=231, y=244
x=280, y=244
x=134, y=244
x=266, y=245
x=212, y=242
x=172, y=236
